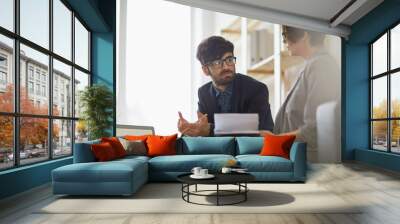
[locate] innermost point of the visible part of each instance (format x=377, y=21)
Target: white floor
x=379, y=190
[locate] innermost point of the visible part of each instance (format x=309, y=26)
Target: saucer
x=208, y=176
x=240, y=171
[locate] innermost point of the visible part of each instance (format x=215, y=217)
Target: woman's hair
x=295, y=34
x=213, y=48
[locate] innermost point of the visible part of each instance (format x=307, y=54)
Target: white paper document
x=230, y=123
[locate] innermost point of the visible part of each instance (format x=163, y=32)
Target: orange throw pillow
x=161, y=145
x=116, y=145
x=103, y=152
x=136, y=137
x=277, y=145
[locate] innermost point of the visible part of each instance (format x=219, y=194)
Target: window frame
x=388, y=74
x=15, y=72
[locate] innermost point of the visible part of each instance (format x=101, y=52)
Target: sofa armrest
x=83, y=152
x=298, y=156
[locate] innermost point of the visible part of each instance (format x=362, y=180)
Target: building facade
x=34, y=81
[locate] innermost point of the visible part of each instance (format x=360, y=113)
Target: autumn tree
x=395, y=123
x=33, y=131
x=380, y=127
x=6, y=122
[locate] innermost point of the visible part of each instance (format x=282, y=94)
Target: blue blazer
x=248, y=96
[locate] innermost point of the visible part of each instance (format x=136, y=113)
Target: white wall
x=203, y=25
x=156, y=82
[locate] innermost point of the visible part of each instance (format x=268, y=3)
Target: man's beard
x=224, y=80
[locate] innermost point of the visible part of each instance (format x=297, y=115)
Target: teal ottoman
x=118, y=177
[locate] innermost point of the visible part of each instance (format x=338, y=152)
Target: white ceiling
x=319, y=9
x=308, y=14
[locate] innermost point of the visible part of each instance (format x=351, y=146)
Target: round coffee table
x=238, y=179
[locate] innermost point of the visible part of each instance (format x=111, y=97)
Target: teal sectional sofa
x=125, y=176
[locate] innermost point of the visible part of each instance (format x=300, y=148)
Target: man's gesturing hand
x=200, y=128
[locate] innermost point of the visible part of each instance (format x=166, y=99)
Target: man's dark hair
x=295, y=34
x=213, y=48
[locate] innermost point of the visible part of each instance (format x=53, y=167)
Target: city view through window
x=32, y=130
x=385, y=82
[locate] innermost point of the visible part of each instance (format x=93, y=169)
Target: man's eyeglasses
x=219, y=63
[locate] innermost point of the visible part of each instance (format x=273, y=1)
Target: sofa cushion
x=136, y=138
x=134, y=147
x=249, y=145
x=111, y=171
x=161, y=145
x=132, y=158
x=116, y=145
x=257, y=163
x=185, y=163
x=83, y=152
x=103, y=152
x=207, y=145
x=277, y=145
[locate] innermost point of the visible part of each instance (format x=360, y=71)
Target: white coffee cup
x=196, y=170
x=226, y=170
x=203, y=172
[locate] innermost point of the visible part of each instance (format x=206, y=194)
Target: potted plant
x=96, y=103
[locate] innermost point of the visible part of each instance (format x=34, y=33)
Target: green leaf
x=97, y=103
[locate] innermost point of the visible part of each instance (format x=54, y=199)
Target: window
x=45, y=131
x=30, y=72
x=44, y=91
x=62, y=74
x=30, y=87
x=6, y=142
x=3, y=78
x=385, y=94
x=395, y=47
x=81, y=81
x=62, y=137
x=6, y=73
x=81, y=45
x=3, y=61
x=33, y=147
x=3, y=72
x=7, y=14
x=37, y=74
x=38, y=89
x=62, y=29
x=34, y=21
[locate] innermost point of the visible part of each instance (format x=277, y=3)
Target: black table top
x=220, y=178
